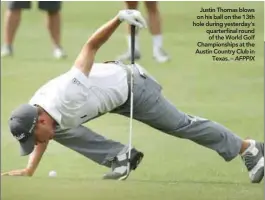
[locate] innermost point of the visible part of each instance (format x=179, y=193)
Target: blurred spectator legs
x=154, y=22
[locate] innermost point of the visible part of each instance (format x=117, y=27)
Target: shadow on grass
x=210, y=182
x=169, y=182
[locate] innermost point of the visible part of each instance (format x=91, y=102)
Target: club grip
x=132, y=43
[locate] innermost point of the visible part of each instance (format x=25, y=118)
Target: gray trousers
x=153, y=109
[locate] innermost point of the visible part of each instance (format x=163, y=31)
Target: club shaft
x=131, y=95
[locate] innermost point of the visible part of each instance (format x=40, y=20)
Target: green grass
x=230, y=93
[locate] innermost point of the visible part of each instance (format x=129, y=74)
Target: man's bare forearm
x=35, y=157
x=103, y=34
x=86, y=57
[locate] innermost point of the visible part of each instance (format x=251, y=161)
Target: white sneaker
x=254, y=160
x=160, y=55
x=6, y=51
x=119, y=166
x=58, y=53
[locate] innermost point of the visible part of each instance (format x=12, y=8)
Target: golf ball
x=52, y=174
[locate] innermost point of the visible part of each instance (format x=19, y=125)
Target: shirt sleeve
x=78, y=77
x=74, y=88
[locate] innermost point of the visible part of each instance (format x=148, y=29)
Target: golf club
x=131, y=91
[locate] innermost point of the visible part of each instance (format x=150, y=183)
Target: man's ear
x=41, y=120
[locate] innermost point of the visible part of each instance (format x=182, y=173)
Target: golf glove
x=132, y=17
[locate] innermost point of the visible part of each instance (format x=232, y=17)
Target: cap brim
x=27, y=147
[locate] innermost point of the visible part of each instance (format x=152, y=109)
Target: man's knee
x=151, y=6
x=53, y=13
x=13, y=13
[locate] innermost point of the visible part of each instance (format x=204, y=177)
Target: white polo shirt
x=73, y=98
